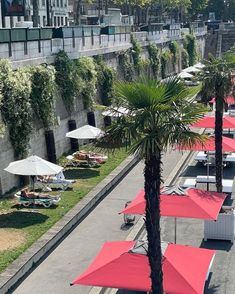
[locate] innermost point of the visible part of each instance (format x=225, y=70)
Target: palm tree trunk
x=152, y=175
x=218, y=142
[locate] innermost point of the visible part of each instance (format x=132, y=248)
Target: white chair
x=189, y=183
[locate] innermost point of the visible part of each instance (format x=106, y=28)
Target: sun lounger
x=46, y=202
x=54, y=184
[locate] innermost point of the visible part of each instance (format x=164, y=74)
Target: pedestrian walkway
x=76, y=252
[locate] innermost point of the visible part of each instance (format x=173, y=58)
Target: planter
x=222, y=229
x=18, y=35
x=4, y=35
x=33, y=34
x=46, y=33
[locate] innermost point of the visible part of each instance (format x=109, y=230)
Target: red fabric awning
x=209, y=122
x=196, y=203
x=228, y=145
x=184, y=268
x=229, y=100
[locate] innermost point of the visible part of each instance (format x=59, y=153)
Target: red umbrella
x=195, y=203
x=229, y=100
x=209, y=122
x=185, y=268
x=228, y=145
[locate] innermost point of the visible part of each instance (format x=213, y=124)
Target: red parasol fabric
x=185, y=268
x=209, y=122
x=228, y=145
x=229, y=100
x=195, y=203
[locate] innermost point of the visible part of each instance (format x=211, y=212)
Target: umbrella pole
x=208, y=172
x=175, y=229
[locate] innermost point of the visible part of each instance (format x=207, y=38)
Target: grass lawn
x=20, y=226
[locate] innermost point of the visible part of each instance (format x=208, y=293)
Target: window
x=44, y=20
x=57, y=3
x=62, y=20
x=43, y=2
x=61, y=3
x=54, y=21
x=58, y=21
x=66, y=21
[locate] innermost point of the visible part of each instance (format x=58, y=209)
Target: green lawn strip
x=32, y=224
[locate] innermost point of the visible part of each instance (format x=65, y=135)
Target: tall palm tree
x=158, y=117
x=217, y=79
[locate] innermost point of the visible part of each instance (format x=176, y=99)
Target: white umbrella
x=85, y=132
x=192, y=69
x=115, y=112
x=33, y=166
x=185, y=75
x=199, y=65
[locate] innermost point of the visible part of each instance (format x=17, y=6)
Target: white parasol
x=85, y=132
x=33, y=166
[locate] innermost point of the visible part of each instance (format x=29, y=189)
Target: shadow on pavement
x=126, y=227
x=217, y=245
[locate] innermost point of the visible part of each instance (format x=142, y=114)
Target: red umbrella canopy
x=229, y=100
x=228, y=145
x=195, y=203
x=116, y=267
x=209, y=122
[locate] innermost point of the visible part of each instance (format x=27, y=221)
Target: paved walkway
x=76, y=252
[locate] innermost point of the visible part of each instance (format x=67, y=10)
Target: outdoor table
x=205, y=179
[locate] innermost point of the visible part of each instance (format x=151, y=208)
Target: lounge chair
x=46, y=202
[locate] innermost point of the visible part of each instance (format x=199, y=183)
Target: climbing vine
x=126, y=66
x=165, y=58
x=174, y=49
x=86, y=70
x=190, y=47
x=154, y=58
x=67, y=80
x=15, y=106
x=42, y=94
x=135, y=52
x=184, y=58
x=105, y=78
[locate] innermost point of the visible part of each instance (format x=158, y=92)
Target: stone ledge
x=24, y=263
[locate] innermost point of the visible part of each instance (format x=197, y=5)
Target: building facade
x=57, y=10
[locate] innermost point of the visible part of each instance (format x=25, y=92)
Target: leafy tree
x=158, y=117
x=217, y=78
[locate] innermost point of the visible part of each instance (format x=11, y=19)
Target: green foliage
x=16, y=106
x=135, y=52
x=126, y=66
x=165, y=58
x=154, y=58
x=86, y=70
x=190, y=47
x=184, y=58
x=174, y=49
x=42, y=94
x=67, y=80
x=105, y=77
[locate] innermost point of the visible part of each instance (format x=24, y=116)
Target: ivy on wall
x=126, y=65
x=174, y=49
x=42, y=94
x=154, y=58
x=16, y=107
x=86, y=70
x=184, y=58
x=135, y=52
x=190, y=47
x=105, y=79
x=165, y=58
x=67, y=80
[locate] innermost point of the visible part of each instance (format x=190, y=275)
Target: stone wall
x=108, y=47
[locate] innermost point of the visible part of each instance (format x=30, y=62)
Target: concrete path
x=76, y=252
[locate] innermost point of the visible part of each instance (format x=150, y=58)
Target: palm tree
x=218, y=81
x=158, y=117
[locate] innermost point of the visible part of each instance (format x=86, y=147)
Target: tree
x=217, y=78
x=158, y=117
